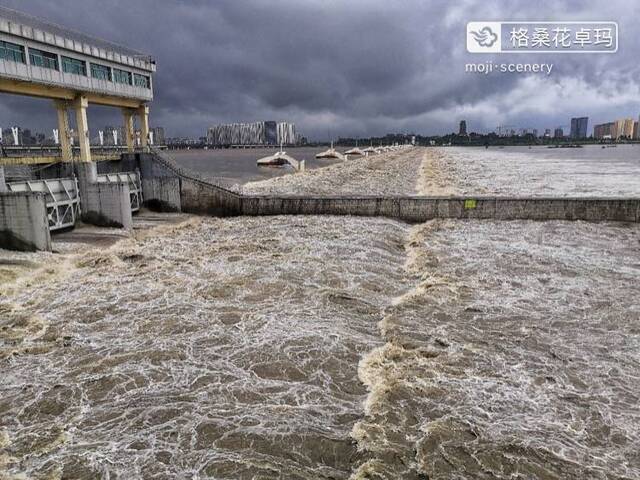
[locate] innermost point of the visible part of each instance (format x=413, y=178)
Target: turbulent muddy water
x=515, y=355
x=225, y=350
x=540, y=171
x=327, y=347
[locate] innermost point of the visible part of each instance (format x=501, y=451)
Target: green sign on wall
x=469, y=204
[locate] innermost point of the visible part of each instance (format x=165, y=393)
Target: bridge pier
x=3, y=183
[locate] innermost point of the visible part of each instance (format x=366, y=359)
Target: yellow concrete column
x=143, y=113
x=128, y=128
x=64, y=133
x=80, y=104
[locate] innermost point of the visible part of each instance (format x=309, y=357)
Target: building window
x=12, y=52
x=71, y=65
x=38, y=58
x=120, y=76
x=141, y=81
x=100, y=72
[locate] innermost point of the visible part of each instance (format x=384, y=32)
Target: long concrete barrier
x=198, y=195
x=421, y=209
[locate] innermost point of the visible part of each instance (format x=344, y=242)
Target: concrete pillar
x=87, y=173
x=24, y=224
x=128, y=128
x=143, y=113
x=80, y=104
x=103, y=204
x=64, y=132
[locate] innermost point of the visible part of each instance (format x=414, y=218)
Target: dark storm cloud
x=355, y=67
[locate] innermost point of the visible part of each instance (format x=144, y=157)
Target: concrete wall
x=420, y=209
x=162, y=194
x=103, y=204
x=23, y=222
x=197, y=195
x=200, y=196
x=107, y=205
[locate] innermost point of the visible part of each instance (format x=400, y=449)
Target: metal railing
x=61, y=197
x=163, y=158
x=135, y=185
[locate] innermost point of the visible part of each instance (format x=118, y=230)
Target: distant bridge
x=39, y=155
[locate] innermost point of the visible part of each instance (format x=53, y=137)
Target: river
x=330, y=347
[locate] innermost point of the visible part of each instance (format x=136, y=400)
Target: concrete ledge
x=421, y=209
x=107, y=205
x=24, y=224
x=162, y=194
x=199, y=196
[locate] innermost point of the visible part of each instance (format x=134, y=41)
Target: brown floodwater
x=327, y=347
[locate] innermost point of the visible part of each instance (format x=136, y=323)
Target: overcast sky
x=351, y=67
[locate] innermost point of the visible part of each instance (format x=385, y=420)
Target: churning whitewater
x=329, y=347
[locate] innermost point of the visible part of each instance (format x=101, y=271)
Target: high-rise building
x=558, y=133
x=617, y=129
x=627, y=130
x=463, y=127
x=158, y=136
x=286, y=133
x=271, y=133
x=623, y=127
x=579, y=127
x=604, y=130
x=547, y=133
x=256, y=133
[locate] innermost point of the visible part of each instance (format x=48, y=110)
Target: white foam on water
x=523, y=362
x=583, y=172
x=225, y=349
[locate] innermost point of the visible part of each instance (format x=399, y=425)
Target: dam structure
x=71, y=70
x=153, y=179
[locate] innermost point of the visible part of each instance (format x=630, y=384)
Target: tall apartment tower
x=579, y=127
